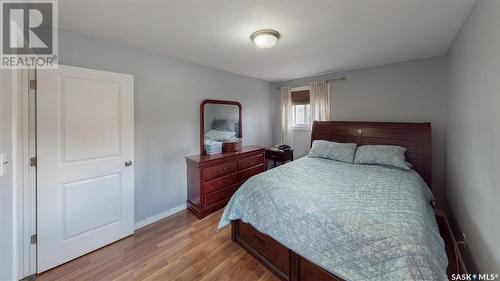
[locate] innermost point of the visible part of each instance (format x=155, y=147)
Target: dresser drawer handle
x=222, y=170
x=260, y=241
x=223, y=182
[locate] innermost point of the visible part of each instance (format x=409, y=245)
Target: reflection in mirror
x=221, y=122
x=220, y=127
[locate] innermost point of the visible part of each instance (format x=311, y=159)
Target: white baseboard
x=155, y=218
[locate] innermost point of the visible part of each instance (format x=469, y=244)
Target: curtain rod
x=330, y=80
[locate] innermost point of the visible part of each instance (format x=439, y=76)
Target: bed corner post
x=234, y=229
x=313, y=131
x=294, y=273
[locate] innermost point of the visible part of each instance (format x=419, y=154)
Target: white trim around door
x=24, y=175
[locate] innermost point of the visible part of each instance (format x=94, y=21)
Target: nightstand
x=276, y=155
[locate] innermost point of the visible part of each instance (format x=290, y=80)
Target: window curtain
x=286, y=116
x=320, y=101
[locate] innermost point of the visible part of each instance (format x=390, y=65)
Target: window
x=301, y=114
x=301, y=108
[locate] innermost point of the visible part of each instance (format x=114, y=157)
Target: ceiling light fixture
x=265, y=38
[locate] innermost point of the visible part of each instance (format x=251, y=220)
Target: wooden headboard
x=416, y=137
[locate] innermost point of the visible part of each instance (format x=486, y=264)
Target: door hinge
x=33, y=161
x=34, y=239
x=32, y=84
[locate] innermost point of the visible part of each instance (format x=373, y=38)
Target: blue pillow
x=386, y=155
x=343, y=152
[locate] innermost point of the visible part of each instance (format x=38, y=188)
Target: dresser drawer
x=219, y=183
x=251, y=161
x=266, y=246
x=220, y=195
x=219, y=171
x=248, y=173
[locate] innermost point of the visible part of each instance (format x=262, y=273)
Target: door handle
x=128, y=163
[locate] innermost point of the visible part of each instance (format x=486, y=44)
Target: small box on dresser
x=213, y=179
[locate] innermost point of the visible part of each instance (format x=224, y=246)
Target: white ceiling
x=317, y=37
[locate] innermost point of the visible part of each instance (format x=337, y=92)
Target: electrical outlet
x=3, y=164
x=464, y=238
x=463, y=242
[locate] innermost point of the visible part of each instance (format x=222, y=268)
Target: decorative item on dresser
x=212, y=179
x=277, y=155
x=231, y=146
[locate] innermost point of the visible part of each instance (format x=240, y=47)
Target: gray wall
x=411, y=91
x=473, y=134
x=6, y=185
x=168, y=93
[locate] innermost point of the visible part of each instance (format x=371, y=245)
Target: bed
x=319, y=219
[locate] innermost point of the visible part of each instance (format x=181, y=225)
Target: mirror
x=220, y=123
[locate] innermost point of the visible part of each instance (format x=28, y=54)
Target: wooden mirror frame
x=202, y=120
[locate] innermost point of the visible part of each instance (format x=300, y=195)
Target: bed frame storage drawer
x=213, y=179
x=219, y=183
x=308, y=271
x=219, y=171
x=283, y=262
x=265, y=246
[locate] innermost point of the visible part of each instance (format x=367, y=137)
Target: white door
x=85, y=184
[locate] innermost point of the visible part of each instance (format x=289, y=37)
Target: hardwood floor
x=180, y=247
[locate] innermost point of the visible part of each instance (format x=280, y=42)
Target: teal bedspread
x=360, y=222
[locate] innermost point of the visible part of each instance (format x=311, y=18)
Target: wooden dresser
x=213, y=179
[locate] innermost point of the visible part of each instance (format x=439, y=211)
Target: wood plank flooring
x=180, y=247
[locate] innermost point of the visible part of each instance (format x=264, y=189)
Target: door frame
x=24, y=175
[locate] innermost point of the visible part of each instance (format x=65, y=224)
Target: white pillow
x=220, y=135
